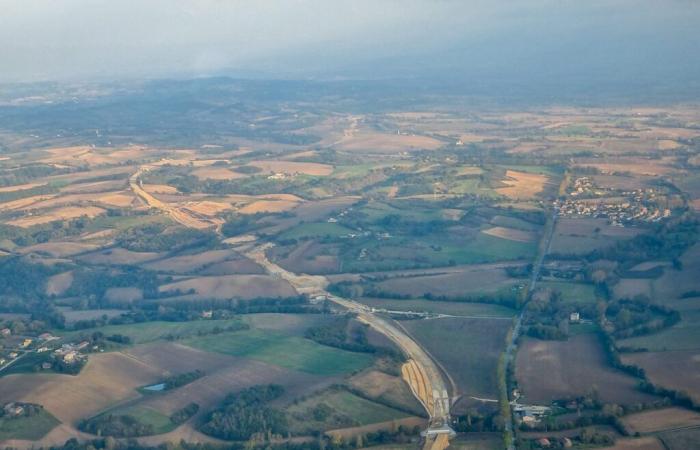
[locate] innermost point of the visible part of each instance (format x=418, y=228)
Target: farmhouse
x=13, y=409
x=5, y=332
x=544, y=442
x=26, y=343
x=13, y=355
x=45, y=336
x=574, y=317
x=70, y=357
x=531, y=410
x=530, y=421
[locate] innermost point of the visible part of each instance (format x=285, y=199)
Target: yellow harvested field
x=511, y=234
x=293, y=168
x=98, y=235
x=159, y=189
x=20, y=187
x=77, y=199
x=23, y=202
x=121, y=200
x=233, y=286
x=69, y=151
x=386, y=142
x=107, y=378
x=216, y=173
x=251, y=198
x=271, y=206
x=469, y=138
x=59, y=283
x=132, y=152
x=94, y=156
x=469, y=170
x=95, y=186
x=172, y=162
x=304, y=154
x=207, y=208
x=667, y=144
x=65, y=213
x=206, y=162
x=77, y=155
x=59, y=249
x=527, y=147
x=661, y=419
x=242, y=239
x=522, y=185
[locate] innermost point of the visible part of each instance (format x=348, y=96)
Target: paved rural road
x=536, y=269
x=437, y=402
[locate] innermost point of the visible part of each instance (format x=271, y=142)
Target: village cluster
x=17, y=347
x=623, y=208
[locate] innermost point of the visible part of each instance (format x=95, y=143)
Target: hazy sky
x=83, y=39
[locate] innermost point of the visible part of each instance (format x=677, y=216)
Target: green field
x=148, y=416
x=551, y=171
x=485, y=248
x=26, y=363
x=472, y=186
x=281, y=349
x=434, y=251
x=160, y=422
x=571, y=292
x=348, y=410
x=144, y=332
x=514, y=222
x=685, y=335
x=29, y=428
x=317, y=229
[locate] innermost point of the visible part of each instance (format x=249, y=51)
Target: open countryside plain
x=355, y=281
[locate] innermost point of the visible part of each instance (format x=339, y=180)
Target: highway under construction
x=422, y=374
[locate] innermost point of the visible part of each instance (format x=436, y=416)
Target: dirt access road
x=421, y=373
x=179, y=215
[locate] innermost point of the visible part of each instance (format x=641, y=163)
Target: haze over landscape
x=312, y=225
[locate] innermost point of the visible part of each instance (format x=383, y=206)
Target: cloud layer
x=82, y=39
